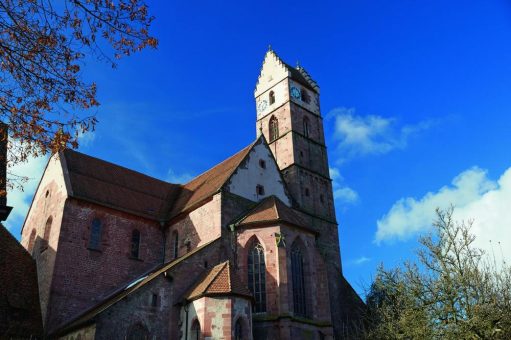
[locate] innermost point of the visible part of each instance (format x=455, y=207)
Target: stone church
x=247, y=250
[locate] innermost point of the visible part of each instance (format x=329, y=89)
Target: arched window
x=31, y=241
x=272, y=97
x=274, y=128
x=238, y=330
x=46, y=234
x=257, y=277
x=135, y=243
x=305, y=96
x=138, y=332
x=306, y=127
x=175, y=244
x=195, y=330
x=95, y=234
x=298, y=280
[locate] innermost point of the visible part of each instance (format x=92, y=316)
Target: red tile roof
x=20, y=313
x=272, y=209
x=210, y=182
x=220, y=280
x=101, y=182
x=104, y=183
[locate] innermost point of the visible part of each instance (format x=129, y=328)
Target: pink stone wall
x=279, y=297
x=48, y=203
x=84, y=276
x=196, y=228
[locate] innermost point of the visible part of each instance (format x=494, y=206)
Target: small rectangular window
x=260, y=190
x=154, y=300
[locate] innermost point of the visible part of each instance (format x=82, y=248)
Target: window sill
x=136, y=258
x=95, y=249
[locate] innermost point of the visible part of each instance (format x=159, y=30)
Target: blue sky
x=415, y=94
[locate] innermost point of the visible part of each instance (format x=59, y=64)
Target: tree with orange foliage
x=43, y=44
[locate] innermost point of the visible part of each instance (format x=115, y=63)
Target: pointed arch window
x=135, y=244
x=31, y=241
x=257, y=277
x=306, y=127
x=305, y=97
x=46, y=234
x=95, y=234
x=238, y=329
x=175, y=244
x=195, y=330
x=272, y=97
x=298, y=280
x=274, y=128
x=138, y=332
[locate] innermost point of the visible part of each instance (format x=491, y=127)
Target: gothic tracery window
x=135, y=244
x=274, y=128
x=95, y=234
x=257, y=277
x=298, y=280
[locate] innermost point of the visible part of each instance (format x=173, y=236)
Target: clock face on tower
x=295, y=92
x=262, y=105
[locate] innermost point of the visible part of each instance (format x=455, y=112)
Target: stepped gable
x=20, y=312
x=298, y=73
x=220, y=280
x=209, y=183
x=94, y=180
x=272, y=209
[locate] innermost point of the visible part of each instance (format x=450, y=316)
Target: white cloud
x=342, y=193
x=172, y=177
x=87, y=138
x=20, y=199
x=475, y=197
x=361, y=260
x=364, y=135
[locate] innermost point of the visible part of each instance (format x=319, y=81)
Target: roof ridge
x=229, y=275
x=275, y=206
x=215, y=275
x=248, y=148
x=218, y=164
x=116, y=165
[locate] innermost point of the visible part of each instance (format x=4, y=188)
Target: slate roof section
x=210, y=182
x=220, y=280
x=108, y=184
x=20, y=313
x=272, y=209
x=126, y=290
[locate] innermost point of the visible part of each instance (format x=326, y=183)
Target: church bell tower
x=288, y=114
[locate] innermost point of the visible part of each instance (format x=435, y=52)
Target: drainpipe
x=186, y=307
x=164, y=236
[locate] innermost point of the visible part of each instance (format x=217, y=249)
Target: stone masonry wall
x=48, y=205
x=279, y=294
x=195, y=229
x=84, y=276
